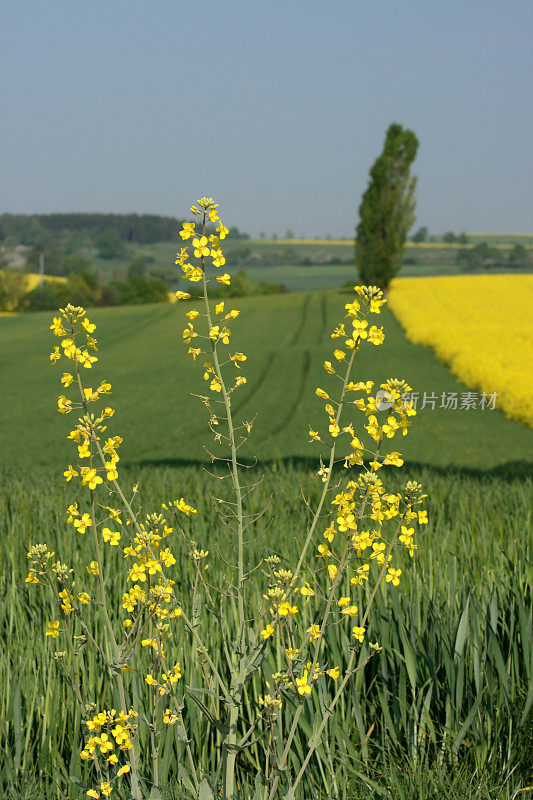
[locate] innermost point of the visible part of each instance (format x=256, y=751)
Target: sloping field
x=481, y=326
x=286, y=338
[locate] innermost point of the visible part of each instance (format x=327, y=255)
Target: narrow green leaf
x=185, y=779
x=466, y=724
x=462, y=630
x=17, y=726
x=205, y=791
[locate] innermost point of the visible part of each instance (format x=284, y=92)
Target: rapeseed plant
x=349, y=543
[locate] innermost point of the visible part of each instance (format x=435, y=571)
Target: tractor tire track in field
x=300, y=330
x=272, y=357
x=306, y=364
x=257, y=385
x=132, y=327
x=324, y=317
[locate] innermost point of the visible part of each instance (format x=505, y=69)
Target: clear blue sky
x=276, y=108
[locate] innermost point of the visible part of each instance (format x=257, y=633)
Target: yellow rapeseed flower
x=200, y=246
x=90, y=478
x=70, y=473
x=267, y=632
x=333, y=673
x=393, y=576
x=314, y=632
x=358, y=633
x=187, y=230
x=64, y=405
x=113, y=537
x=286, y=610
x=53, y=629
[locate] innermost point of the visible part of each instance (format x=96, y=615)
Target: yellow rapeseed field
x=34, y=279
x=481, y=325
x=23, y=283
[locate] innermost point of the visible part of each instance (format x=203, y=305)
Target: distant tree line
x=84, y=287
x=483, y=257
x=134, y=228
x=451, y=238
x=235, y=233
x=81, y=288
x=31, y=229
x=286, y=254
x=422, y=235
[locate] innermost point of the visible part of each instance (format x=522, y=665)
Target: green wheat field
x=444, y=711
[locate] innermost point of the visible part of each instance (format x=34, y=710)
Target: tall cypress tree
x=387, y=209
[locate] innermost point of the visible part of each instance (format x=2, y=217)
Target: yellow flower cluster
x=44, y=570
x=70, y=326
x=102, y=453
x=271, y=705
x=109, y=732
x=150, y=601
x=203, y=246
x=152, y=592
x=362, y=509
x=164, y=685
x=393, y=391
x=305, y=681
x=355, y=539
x=477, y=324
x=63, y=327
x=207, y=246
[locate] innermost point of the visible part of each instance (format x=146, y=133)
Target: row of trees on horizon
x=386, y=215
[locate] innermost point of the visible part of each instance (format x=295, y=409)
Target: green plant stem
x=135, y=791
x=230, y=752
x=191, y=628
x=181, y=721
x=314, y=665
x=155, y=704
x=234, y=465
x=349, y=671
x=76, y=685
x=316, y=515
x=299, y=710
x=267, y=761
x=229, y=744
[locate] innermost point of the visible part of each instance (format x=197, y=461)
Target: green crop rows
x=443, y=711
